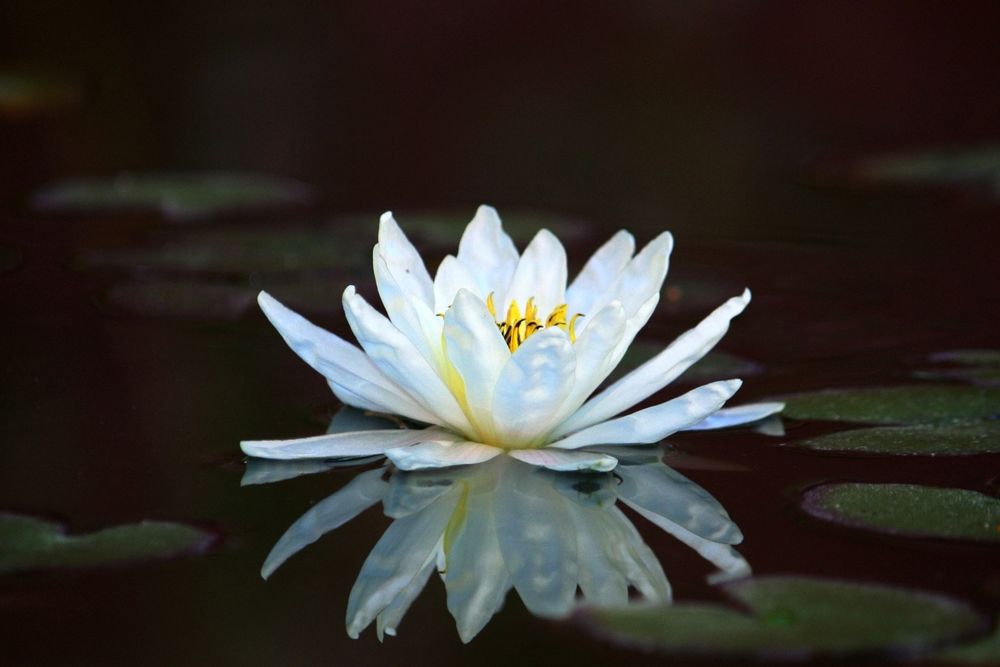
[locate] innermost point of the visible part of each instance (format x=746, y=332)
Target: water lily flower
x=505, y=525
x=497, y=354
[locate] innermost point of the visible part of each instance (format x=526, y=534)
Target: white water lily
x=498, y=354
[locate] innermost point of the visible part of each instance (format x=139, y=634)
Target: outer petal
x=342, y=364
x=655, y=423
x=389, y=618
x=532, y=385
x=266, y=471
x=743, y=414
x=668, y=494
x=451, y=277
x=537, y=540
x=404, y=261
x=358, y=443
x=490, y=252
x=643, y=276
x=659, y=371
x=636, y=560
x=478, y=353
x=403, y=553
x=434, y=454
x=601, y=580
x=540, y=273
x=600, y=273
x=410, y=315
x=333, y=512
x=397, y=357
x=562, y=460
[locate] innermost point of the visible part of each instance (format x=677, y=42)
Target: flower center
x=516, y=328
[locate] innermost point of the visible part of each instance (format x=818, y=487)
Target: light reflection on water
x=505, y=525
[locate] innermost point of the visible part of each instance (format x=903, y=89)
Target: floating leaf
x=22, y=94
x=907, y=509
x=891, y=405
x=247, y=250
x=947, y=439
x=713, y=366
x=10, y=258
x=794, y=617
x=983, y=652
x=957, y=166
x=981, y=367
x=28, y=543
x=179, y=196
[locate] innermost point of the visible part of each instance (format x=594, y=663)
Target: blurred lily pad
x=26, y=93
x=950, y=166
x=10, y=258
x=713, y=366
x=28, y=543
x=930, y=439
x=907, y=509
x=178, y=196
x=980, y=367
x=983, y=652
x=246, y=250
x=796, y=617
x=896, y=405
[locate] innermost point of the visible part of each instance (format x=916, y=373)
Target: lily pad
x=919, y=404
x=713, y=366
x=24, y=93
x=907, y=509
x=10, y=258
x=178, y=196
x=981, y=367
x=796, y=617
x=247, y=250
x=28, y=544
x=929, y=439
x=950, y=166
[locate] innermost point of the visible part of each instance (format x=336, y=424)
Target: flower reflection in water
x=487, y=529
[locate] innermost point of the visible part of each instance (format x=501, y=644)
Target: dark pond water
x=136, y=360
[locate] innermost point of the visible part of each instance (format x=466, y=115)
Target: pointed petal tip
x=386, y=218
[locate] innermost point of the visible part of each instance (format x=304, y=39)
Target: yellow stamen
x=515, y=329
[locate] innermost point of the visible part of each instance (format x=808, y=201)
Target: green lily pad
x=179, y=196
x=713, y=366
x=980, y=367
x=956, y=166
x=24, y=93
x=929, y=439
x=10, y=258
x=907, y=509
x=28, y=544
x=795, y=617
x=983, y=652
x=921, y=404
x=247, y=250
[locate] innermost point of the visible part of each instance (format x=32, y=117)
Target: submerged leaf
x=929, y=439
x=28, y=543
x=179, y=196
x=957, y=166
x=981, y=367
x=795, y=617
x=907, y=509
x=891, y=405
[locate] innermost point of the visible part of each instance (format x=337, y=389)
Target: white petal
x=532, y=385
x=540, y=273
x=341, y=363
x=359, y=443
x=668, y=494
x=350, y=399
x=403, y=553
x=636, y=560
x=476, y=576
x=451, y=277
x=415, y=319
x=659, y=371
x=600, y=273
x=655, y=423
x=743, y=414
x=404, y=261
x=478, y=353
x=399, y=360
x=601, y=581
x=267, y=471
x=388, y=620
x=643, y=276
x=334, y=511
x=562, y=460
x=434, y=454
x=537, y=540
x=490, y=252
